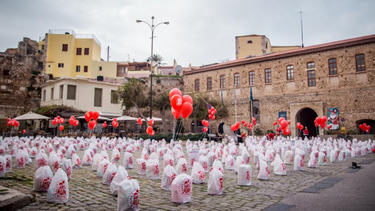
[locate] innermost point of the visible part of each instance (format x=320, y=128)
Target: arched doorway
x=368, y=122
x=306, y=117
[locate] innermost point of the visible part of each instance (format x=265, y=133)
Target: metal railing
x=69, y=31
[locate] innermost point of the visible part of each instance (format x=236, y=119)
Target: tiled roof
x=288, y=53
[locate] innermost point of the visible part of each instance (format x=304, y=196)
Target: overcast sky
x=200, y=31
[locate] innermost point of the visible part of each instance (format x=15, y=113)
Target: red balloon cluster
x=105, y=124
x=299, y=126
x=205, y=123
x=211, y=113
x=235, y=126
x=150, y=131
x=73, y=121
x=58, y=120
x=320, y=121
x=91, y=115
x=139, y=120
x=115, y=123
x=365, y=127
x=181, y=105
x=13, y=122
x=284, y=126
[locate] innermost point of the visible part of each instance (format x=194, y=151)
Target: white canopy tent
x=126, y=118
x=31, y=116
x=99, y=118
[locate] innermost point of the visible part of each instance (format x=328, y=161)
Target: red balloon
x=151, y=122
x=213, y=117
x=368, y=127
x=233, y=127
x=298, y=124
x=186, y=110
x=72, y=117
x=152, y=133
x=149, y=129
x=204, y=130
x=187, y=98
x=278, y=130
x=95, y=115
x=76, y=122
x=92, y=124
x=210, y=116
x=284, y=124
x=88, y=116
x=275, y=123
x=62, y=120
x=318, y=119
x=71, y=121
x=237, y=125
x=254, y=121
x=286, y=131
x=281, y=119
x=115, y=119
x=173, y=92
x=323, y=119
x=176, y=114
x=176, y=102
x=367, y=131
x=61, y=128
x=10, y=123
x=373, y=150
x=8, y=119
x=58, y=117
x=16, y=124
x=139, y=120
x=115, y=125
x=243, y=122
x=23, y=131
x=329, y=127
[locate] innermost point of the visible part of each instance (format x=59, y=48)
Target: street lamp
x=152, y=27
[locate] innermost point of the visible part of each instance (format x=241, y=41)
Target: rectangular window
x=40, y=65
x=87, y=51
x=251, y=78
x=289, y=72
x=61, y=91
x=42, y=47
x=44, y=95
x=78, y=68
x=64, y=47
x=310, y=65
x=98, y=97
x=6, y=72
x=197, y=85
x=222, y=81
x=100, y=68
x=79, y=51
x=71, y=92
x=209, y=83
x=61, y=65
x=360, y=62
x=267, y=74
x=311, y=77
x=236, y=80
x=332, y=65
x=85, y=69
x=114, y=97
x=52, y=93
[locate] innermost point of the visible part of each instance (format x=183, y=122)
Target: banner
x=333, y=118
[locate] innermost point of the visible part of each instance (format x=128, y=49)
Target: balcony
x=78, y=36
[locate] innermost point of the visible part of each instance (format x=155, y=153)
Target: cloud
x=200, y=32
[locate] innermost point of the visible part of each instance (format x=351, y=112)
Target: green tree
x=132, y=95
x=157, y=58
x=160, y=101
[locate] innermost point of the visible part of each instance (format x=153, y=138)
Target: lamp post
x=152, y=27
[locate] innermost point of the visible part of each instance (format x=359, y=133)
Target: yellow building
x=69, y=55
x=256, y=45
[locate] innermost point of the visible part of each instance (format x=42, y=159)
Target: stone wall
x=21, y=74
x=352, y=92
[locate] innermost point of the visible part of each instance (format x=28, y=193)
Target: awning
x=126, y=118
x=31, y=116
x=100, y=118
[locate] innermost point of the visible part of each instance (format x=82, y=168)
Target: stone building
x=336, y=78
x=21, y=74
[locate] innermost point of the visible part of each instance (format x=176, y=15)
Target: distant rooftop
x=79, y=36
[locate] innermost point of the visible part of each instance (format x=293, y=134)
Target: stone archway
x=295, y=109
x=368, y=122
x=306, y=117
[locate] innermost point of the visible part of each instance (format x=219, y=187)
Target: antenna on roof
x=301, y=30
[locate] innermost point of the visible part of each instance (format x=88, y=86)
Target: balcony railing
x=69, y=31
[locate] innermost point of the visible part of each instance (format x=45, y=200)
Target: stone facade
x=353, y=92
x=21, y=74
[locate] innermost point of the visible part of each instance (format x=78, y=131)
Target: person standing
x=306, y=133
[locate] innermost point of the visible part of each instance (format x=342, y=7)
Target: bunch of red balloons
x=115, y=123
x=59, y=120
x=299, y=126
x=139, y=120
x=211, y=113
x=181, y=105
x=365, y=127
x=92, y=115
x=235, y=126
x=284, y=126
x=249, y=124
x=73, y=121
x=205, y=123
x=13, y=122
x=150, y=131
x=320, y=121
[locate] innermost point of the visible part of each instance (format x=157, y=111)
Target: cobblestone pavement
x=88, y=193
